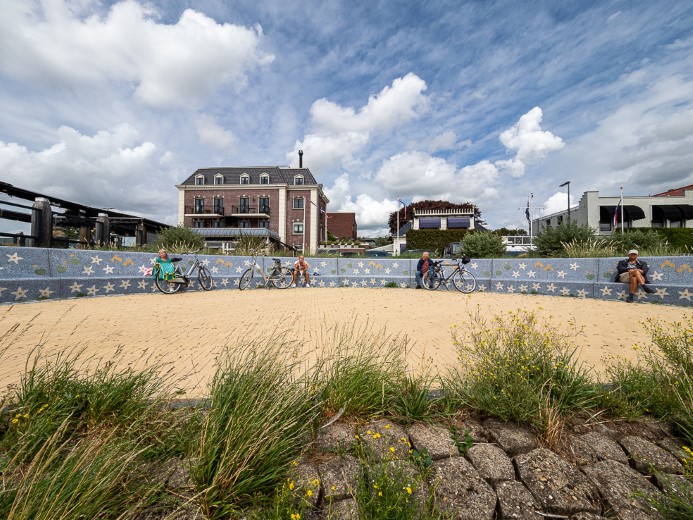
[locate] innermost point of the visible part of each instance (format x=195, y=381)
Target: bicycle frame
x=463, y=280
x=276, y=277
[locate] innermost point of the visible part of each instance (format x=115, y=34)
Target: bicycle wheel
x=166, y=286
x=283, y=279
x=246, y=278
x=464, y=281
x=431, y=282
x=205, y=278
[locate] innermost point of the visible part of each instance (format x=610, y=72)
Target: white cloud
x=113, y=168
x=393, y=106
x=529, y=140
x=370, y=213
x=213, y=134
x=55, y=42
x=445, y=141
x=555, y=204
x=340, y=132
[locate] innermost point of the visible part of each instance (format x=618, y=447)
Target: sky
x=113, y=103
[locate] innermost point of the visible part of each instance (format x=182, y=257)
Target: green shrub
x=590, y=248
x=680, y=239
x=517, y=368
x=180, y=239
x=434, y=240
x=643, y=240
x=549, y=241
x=483, y=245
x=660, y=382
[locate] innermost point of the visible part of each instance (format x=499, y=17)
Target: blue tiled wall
x=30, y=274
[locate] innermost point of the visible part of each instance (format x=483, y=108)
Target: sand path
x=189, y=330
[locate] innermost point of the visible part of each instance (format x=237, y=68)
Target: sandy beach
x=187, y=331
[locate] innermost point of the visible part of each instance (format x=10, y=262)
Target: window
x=264, y=204
x=218, y=179
x=199, y=205
x=605, y=226
x=559, y=220
x=264, y=224
x=245, y=179
x=198, y=224
x=244, y=224
x=298, y=203
x=298, y=228
x=218, y=205
x=199, y=180
x=264, y=179
x=298, y=180
x=218, y=223
x=245, y=205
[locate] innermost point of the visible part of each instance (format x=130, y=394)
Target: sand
x=188, y=331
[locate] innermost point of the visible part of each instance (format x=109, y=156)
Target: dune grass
x=86, y=438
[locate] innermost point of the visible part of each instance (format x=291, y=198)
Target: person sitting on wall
x=422, y=268
x=163, y=267
x=301, y=268
x=633, y=271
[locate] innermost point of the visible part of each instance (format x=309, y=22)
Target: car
x=376, y=252
x=452, y=250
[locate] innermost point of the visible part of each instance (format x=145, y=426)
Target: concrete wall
x=31, y=274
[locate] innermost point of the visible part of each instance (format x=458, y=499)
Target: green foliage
x=661, y=382
x=509, y=232
x=549, y=241
x=434, y=240
x=676, y=503
x=516, y=367
x=359, y=371
x=590, y=248
x=258, y=420
x=643, y=240
x=679, y=239
x=247, y=245
x=483, y=245
x=462, y=440
x=413, y=401
x=179, y=239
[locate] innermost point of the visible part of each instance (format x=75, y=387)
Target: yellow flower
x=409, y=490
x=376, y=436
x=387, y=426
x=392, y=449
x=309, y=493
x=294, y=463
x=334, y=488
x=316, y=482
x=291, y=485
x=295, y=516
x=380, y=493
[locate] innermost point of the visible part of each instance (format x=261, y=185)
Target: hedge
x=434, y=240
x=677, y=237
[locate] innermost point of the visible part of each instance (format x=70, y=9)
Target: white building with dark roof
x=673, y=208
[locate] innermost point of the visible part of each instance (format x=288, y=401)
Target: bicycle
x=279, y=277
x=180, y=278
x=463, y=280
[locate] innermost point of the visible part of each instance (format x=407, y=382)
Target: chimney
x=300, y=158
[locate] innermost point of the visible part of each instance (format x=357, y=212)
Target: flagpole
x=396, y=253
x=622, y=210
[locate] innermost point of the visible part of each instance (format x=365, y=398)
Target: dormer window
x=199, y=180
x=245, y=178
x=298, y=180
x=264, y=178
x=218, y=179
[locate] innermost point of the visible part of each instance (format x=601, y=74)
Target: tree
x=430, y=205
x=510, y=232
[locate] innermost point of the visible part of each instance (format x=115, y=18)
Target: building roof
x=676, y=192
x=232, y=176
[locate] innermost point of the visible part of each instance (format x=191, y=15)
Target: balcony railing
x=201, y=210
x=236, y=210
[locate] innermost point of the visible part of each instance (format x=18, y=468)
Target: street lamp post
x=567, y=183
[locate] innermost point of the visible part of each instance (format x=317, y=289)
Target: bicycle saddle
x=176, y=259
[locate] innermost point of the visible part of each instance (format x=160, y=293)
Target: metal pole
x=397, y=236
x=303, y=246
x=568, y=202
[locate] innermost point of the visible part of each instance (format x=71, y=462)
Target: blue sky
x=113, y=103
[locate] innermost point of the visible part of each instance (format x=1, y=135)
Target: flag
x=617, y=217
x=527, y=211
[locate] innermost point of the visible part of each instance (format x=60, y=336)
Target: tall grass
x=516, y=367
x=660, y=382
x=260, y=418
x=359, y=369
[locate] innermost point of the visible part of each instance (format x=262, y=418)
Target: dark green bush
x=180, y=239
x=483, y=245
x=549, y=241
x=638, y=239
x=434, y=240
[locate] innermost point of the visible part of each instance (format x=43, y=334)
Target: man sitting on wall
x=634, y=272
x=301, y=268
x=422, y=268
